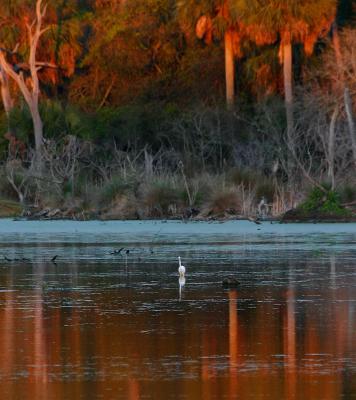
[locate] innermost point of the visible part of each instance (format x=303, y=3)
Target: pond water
x=98, y=324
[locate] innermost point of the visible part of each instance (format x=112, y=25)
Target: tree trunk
x=287, y=57
x=288, y=86
x=331, y=148
x=5, y=92
x=347, y=97
x=337, y=50
x=38, y=129
x=229, y=69
x=350, y=120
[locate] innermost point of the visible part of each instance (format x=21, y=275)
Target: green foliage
x=326, y=202
x=6, y=191
x=3, y=129
x=21, y=124
x=115, y=187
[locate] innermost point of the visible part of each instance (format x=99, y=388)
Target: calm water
x=96, y=325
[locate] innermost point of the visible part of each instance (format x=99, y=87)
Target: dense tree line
x=206, y=80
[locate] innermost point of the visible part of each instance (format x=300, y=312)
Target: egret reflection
x=181, y=282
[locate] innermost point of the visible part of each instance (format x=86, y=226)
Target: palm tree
x=212, y=18
x=292, y=21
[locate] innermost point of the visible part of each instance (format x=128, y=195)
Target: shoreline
x=272, y=220
x=13, y=210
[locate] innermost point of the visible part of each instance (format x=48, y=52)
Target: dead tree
x=330, y=153
x=19, y=178
x=347, y=97
x=30, y=87
x=62, y=160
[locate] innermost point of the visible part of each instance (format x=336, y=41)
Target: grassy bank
x=145, y=194
x=9, y=208
x=142, y=195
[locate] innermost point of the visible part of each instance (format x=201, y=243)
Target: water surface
x=97, y=325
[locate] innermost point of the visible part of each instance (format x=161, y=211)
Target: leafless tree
x=30, y=87
x=19, y=177
x=342, y=68
x=62, y=160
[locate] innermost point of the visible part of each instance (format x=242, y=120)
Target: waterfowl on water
x=230, y=282
x=181, y=268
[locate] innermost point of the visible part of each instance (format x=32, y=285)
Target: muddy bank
x=298, y=215
x=79, y=214
x=9, y=209
x=14, y=210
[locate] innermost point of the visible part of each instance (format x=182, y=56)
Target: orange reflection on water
x=250, y=346
x=134, y=389
x=7, y=340
x=233, y=342
x=289, y=345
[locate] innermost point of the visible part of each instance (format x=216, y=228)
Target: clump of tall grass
x=237, y=176
x=110, y=190
x=222, y=198
x=160, y=197
x=224, y=201
x=125, y=206
x=199, y=187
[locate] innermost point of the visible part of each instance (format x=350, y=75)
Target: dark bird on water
x=255, y=220
x=230, y=282
x=23, y=259
x=117, y=251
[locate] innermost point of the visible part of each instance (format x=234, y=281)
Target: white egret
x=181, y=268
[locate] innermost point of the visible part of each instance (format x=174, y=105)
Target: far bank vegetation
x=149, y=120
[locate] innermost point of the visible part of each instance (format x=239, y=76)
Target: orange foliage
x=260, y=35
x=67, y=57
x=266, y=79
x=204, y=29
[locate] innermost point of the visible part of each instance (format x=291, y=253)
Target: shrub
x=161, y=198
x=200, y=187
x=221, y=201
x=348, y=194
x=325, y=202
x=6, y=190
x=262, y=186
x=246, y=177
x=110, y=190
